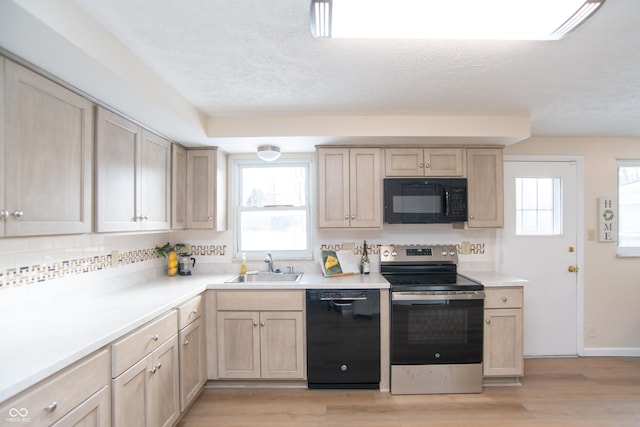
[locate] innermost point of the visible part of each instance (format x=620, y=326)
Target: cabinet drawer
x=260, y=300
x=51, y=399
x=190, y=311
x=137, y=344
x=503, y=297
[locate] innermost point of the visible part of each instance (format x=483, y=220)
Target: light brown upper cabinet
x=349, y=188
x=423, y=162
x=485, y=187
x=133, y=176
x=178, y=187
x=45, y=156
x=206, y=189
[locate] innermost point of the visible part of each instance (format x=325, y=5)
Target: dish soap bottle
x=364, y=261
x=243, y=267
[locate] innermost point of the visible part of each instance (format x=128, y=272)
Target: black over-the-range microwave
x=425, y=200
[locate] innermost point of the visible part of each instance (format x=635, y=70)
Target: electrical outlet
x=591, y=331
x=466, y=248
x=115, y=258
x=187, y=248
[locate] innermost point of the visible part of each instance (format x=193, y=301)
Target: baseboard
x=612, y=351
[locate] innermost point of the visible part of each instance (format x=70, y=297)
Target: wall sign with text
x=607, y=219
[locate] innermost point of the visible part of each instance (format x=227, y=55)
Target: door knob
x=572, y=269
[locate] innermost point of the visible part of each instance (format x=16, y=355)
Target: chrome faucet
x=269, y=260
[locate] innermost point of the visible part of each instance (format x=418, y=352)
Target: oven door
x=436, y=327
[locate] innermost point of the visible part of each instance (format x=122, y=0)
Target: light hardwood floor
x=581, y=392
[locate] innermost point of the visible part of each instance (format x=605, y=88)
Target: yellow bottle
x=243, y=267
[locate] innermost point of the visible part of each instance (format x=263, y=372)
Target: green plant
x=165, y=250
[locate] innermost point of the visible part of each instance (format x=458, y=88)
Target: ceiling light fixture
x=269, y=153
x=450, y=19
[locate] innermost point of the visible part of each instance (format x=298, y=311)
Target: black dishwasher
x=343, y=338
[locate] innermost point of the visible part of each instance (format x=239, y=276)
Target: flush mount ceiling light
x=269, y=153
x=450, y=19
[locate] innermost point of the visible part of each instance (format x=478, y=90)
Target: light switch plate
x=591, y=234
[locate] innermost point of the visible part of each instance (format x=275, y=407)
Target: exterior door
x=539, y=243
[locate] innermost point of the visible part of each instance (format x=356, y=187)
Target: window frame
x=556, y=209
x=299, y=160
x=624, y=251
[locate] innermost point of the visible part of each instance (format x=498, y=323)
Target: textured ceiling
x=258, y=58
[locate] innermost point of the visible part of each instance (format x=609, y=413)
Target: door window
x=538, y=206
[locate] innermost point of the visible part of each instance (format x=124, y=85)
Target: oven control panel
x=417, y=253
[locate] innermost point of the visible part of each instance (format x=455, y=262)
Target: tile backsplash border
x=36, y=273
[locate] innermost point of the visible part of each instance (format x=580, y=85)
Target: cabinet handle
x=346, y=217
x=153, y=370
x=17, y=214
x=4, y=214
x=209, y=218
x=159, y=365
x=194, y=311
x=186, y=342
x=421, y=165
x=353, y=217
x=471, y=217
x=427, y=165
x=155, y=337
x=488, y=321
x=504, y=299
x=255, y=323
x=261, y=323
x=51, y=406
x=145, y=217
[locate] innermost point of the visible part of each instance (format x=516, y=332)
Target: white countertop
x=493, y=279
x=46, y=331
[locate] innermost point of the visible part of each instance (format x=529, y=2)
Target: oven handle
x=340, y=299
x=421, y=296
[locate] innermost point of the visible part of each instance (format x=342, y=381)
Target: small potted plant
x=170, y=253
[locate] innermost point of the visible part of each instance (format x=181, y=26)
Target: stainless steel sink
x=265, y=277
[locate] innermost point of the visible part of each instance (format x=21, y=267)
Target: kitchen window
x=272, y=208
x=628, y=207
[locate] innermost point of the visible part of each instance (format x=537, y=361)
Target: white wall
x=611, y=284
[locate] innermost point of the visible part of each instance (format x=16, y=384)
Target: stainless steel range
x=436, y=321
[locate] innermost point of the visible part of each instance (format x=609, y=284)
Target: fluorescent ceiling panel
x=450, y=19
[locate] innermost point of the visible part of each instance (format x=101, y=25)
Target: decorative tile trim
x=204, y=250
x=474, y=248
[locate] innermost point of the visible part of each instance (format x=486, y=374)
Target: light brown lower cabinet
x=192, y=349
x=76, y=396
x=145, y=385
x=503, y=359
x=147, y=393
x=260, y=335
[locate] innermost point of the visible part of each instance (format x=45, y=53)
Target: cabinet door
x=178, y=187
x=193, y=372
x=443, y=162
x=365, y=187
x=48, y=149
x=404, y=162
x=3, y=207
x=201, y=189
x=130, y=395
x=164, y=386
x=93, y=412
x=485, y=187
x=118, y=169
x=333, y=187
x=238, y=344
x=155, y=182
x=503, y=348
x=282, y=344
